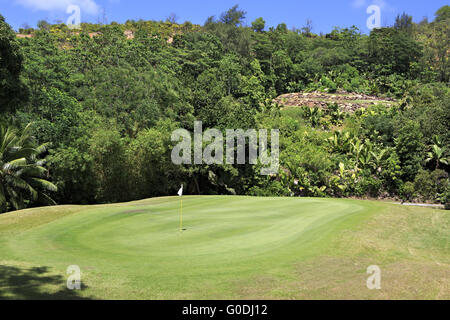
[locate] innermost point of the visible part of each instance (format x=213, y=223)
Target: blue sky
x=325, y=14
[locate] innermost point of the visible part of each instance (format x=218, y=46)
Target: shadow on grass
x=20, y=283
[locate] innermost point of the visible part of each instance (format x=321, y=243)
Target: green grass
x=233, y=247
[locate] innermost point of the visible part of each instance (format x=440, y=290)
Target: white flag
x=180, y=192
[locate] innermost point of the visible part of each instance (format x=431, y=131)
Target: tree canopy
x=108, y=97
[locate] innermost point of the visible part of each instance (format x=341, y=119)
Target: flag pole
x=181, y=213
x=180, y=193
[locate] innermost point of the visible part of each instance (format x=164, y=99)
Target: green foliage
x=445, y=198
x=23, y=177
x=74, y=175
x=328, y=85
x=437, y=155
x=233, y=16
x=58, y=117
x=392, y=51
x=109, y=103
x=430, y=184
x=404, y=22
x=409, y=146
x=151, y=171
x=407, y=191
x=443, y=14
x=12, y=92
x=258, y=25
x=391, y=173
x=109, y=164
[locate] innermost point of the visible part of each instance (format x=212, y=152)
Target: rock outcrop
x=347, y=102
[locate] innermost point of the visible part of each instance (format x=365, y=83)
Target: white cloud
x=358, y=3
x=86, y=6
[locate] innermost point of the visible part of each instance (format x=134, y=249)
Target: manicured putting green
x=136, y=250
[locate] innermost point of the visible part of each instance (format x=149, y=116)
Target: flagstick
x=181, y=213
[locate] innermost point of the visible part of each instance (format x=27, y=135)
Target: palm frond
x=33, y=171
x=43, y=198
x=22, y=174
x=42, y=148
x=15, y=164
x=44, y=184
x=2, y=196
x=18, y=152
x=14, y=181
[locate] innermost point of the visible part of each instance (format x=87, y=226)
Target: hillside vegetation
x=104, y=101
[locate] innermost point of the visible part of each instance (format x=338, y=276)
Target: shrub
x=430, y=184
x=407, y=191
x=391, y=173
x=270, y=189
x=409, y=147
x=369, y=186
x=328, y=85
x=445, y=198
x=440, y=178
x=425, y=186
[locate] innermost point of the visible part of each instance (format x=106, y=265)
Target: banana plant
x=378, y=159
x=362, y=153
x=335, y=113
x=314, y=115
x=340, y=142
x=365, y=156
x=357, y=148
x=343, y=180
x=437, y=155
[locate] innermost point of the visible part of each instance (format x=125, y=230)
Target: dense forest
x=86, y=116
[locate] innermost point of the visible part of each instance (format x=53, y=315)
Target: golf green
x=230, y=247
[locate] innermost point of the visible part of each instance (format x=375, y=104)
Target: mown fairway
x=233, y=247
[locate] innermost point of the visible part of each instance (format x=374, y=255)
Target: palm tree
x=437, y=153
x=22, y=173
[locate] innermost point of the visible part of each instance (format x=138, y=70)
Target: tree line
x=88, y=118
